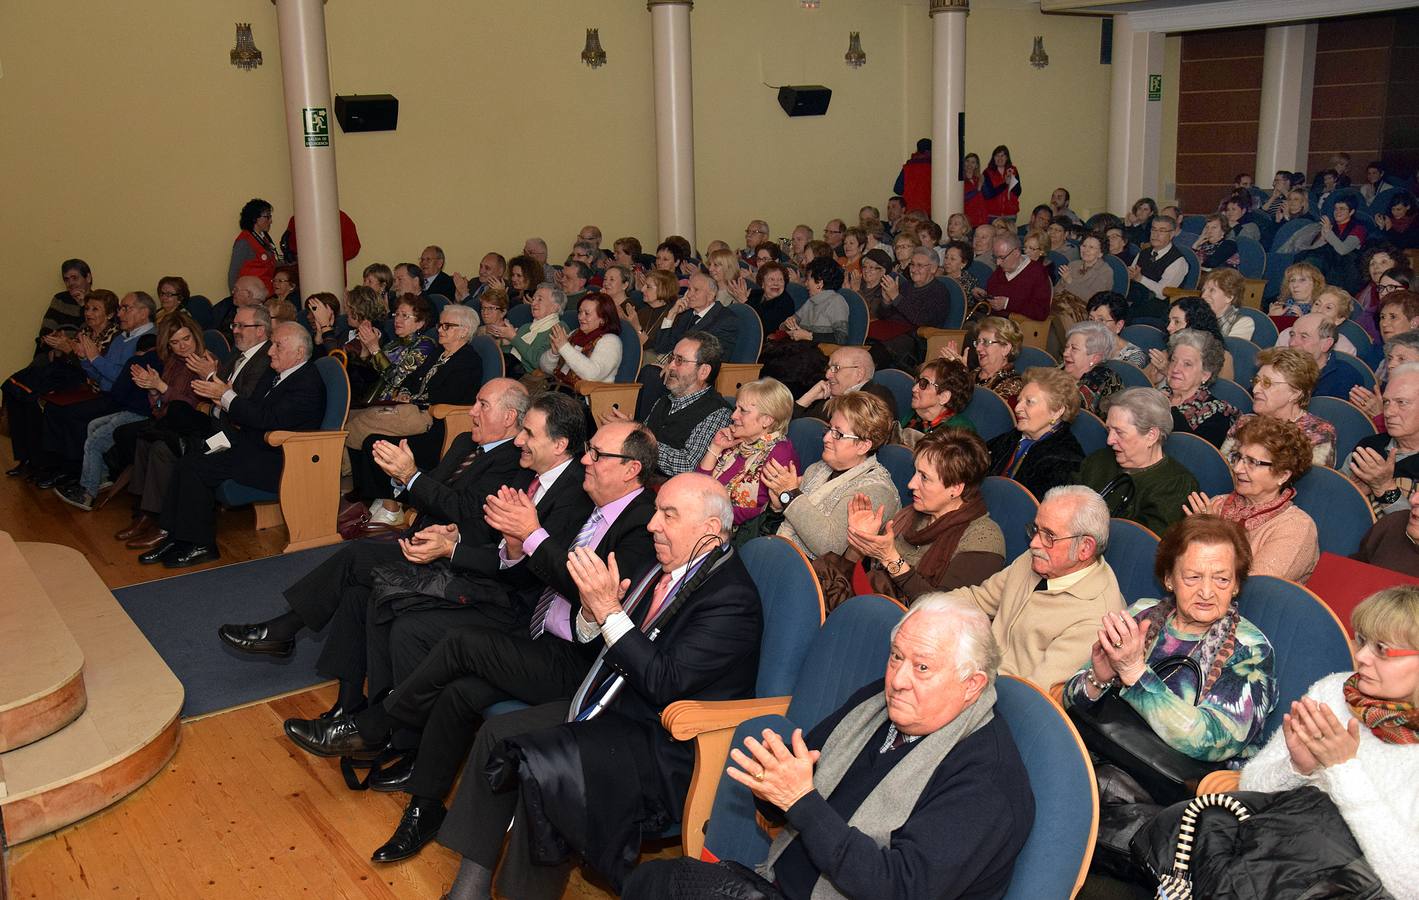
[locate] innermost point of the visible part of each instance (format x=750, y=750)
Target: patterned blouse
x=1226, y=723
x=1007, y=383
x=1320, y=433
x=1097, y=385
x=399, y=361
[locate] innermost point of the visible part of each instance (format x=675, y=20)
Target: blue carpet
x=179, y=616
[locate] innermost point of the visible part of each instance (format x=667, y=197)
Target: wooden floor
x=240, y=811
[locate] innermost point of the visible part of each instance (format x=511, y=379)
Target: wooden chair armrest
x=1177, y=293
x=830, y=349
x=1223, y=781
x=282, y=438
x=1056, y=693
x=444, y=410
x=685, y=719
x=587, y=388
x=936, y=338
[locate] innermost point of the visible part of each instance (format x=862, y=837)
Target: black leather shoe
x=252, y=639
x=53, y=480
x=159, y=553
x=191, y=557
x=18, y=469
x=417, y=827
x=332, y=737
x=394, y=778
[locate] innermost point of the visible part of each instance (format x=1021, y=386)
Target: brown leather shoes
x=148, y=539
x=141, y=523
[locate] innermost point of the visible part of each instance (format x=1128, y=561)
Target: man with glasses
x=432, y=278
x=1046, y=606
x=1158, y=266
x=248, y=291
x=906, y=306
x=833, y=234
x=1018, y=284
x=684, y=420
x=849, y=369
x=1314, y=335
x=541, y=660
x=1385, y=466
x=698, y=311
x=755, y=233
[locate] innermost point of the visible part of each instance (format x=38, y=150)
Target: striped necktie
x=468, y=460
x=583, y=538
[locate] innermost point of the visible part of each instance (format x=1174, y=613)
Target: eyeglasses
x=443, y=326
x=838, y=434
x=1047, y=538
x=405, y=316
x=1267, y=384
x=598, y=455
x=924, y=383
x=1381, y=649
x=169, y=294
x=835, y=368
x=236, y=325
x=1251, y=462
x=986, y=342
x=1383, y=289
x=679, y=360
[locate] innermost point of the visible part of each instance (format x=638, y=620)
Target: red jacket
x=1030, y=292
x=1000, y=198
x=916, y=182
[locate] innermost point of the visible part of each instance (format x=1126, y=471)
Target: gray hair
x=716, y=505
x=559, y=296
x=587, y=247
x=1410, y=368
x=1166, y=220
x=976, y=648
x=1325, y=330
x=1091, y=513
x=1213, y=354
x=515, y=397
x=1011, y=240
x=537, y=242
x=1098, y=338
x=463, y=316
x=1149, y=409
x=304, y=340
x=263, y=318
x=925, y=253
x=1408, y=339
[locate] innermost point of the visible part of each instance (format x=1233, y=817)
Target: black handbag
x=1114, y=730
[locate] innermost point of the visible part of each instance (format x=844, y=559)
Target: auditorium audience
x=173, y=294
x=1134, y=476
x=906, y=306
x=535, y=338
x=1314, y=334
x=697, y=311
x=1088, y=346
x=1400, y=349
x=432, y=279
x=1194, y=360
x=997, y=344
x=1375, y=261
x=1342, y=236
x=686, y=419
x=1223, y=291
x=1384, y=466
x=1041, y=451
x=1234, y=212
x=1158, y=266
x=1270, y=457
x=1187, y=312
x=757, y=433
x=525, y=273
x=283, y=300
x=1334, y=304
x=955, y=263
x=849, y=369
x=1110, y=310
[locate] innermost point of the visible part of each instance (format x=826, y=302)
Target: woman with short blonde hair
x=757, y=433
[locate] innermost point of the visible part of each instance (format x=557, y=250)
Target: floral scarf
x=1234, y=510
x=1201, y=406
x=744, y=486
x=1391, y=722
x=1211, y=651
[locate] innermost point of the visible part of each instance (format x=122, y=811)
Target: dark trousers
x=153, y=465
x=67, y=427
x=190, y=506
x=468, y=671
x=370, y=481
x=317, y=595
x=478, y=819
x=26, y=420
x=659, y=878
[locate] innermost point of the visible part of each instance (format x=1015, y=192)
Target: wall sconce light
x=1038, y=57
x=810, y=4
x=592, y=54
x=855, y=57
x=245, y=56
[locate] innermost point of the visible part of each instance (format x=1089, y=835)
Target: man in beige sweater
x=1046, y=606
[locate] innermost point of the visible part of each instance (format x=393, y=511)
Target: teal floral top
x=1228, y=722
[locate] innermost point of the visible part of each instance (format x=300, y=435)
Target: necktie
x=583, y=538
x=662, y=592
x=467, y=461
x=534, y=487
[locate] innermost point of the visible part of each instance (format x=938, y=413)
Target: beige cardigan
x=1045, y=636
x=816, y=520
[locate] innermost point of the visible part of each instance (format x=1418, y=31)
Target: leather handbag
x=1114, y=730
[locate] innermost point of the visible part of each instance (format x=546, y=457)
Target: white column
x=674, y=117
x=1287, y=81
x=948, y=100
x=310, y=122
x=1135, y=122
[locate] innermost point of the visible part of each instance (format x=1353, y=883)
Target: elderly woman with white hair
x=1194, y=359
x=1133, y=475
x=1088, y=346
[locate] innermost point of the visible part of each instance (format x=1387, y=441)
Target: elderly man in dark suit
x=432, y=278
x=292, y=400
x=476, y=464
x=687, y=628
x=472, y=668
x=154, y=461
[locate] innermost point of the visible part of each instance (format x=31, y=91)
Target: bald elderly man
x=849, y=369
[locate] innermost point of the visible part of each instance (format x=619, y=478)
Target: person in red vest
x=914, y=182
x=349, y=239
x=253, y=251
x=1001, y=186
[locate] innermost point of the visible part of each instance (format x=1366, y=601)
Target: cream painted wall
x=129, y=140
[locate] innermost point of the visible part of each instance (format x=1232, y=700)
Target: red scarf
x=583, y=341
x=1233, y=510
x=1393, y=723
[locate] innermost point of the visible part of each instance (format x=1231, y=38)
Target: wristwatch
x=895, y=567
x=786, y=497
x=1390, y=496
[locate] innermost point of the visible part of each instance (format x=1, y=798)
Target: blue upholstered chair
x=1367, y=375
x=1264, y=333
x=1253, y=257
x=1214, y=475
x=1342, y=514
x=1090, y=431
x=1146, y=336
x=308, y=498
x=897, y=460
x=806, y=436
x=856, y=318
x=1012, y=507
x=956, y=311
x=1351, y=424
x=742, y=366
x=1128, y=373
x=1120, y=273
x=1130, y=554
x=900, y=384
x=989, y=413
x=1034, y=357
x=1233, y=393
x=981, y=269
x=200, y=308
x=1243, y=359
x=602, y=396
x=519, y=314
x=799, y=293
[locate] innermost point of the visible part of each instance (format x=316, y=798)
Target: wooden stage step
x=129, y=729
x=41, y=667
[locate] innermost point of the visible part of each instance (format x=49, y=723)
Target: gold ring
x=759, y=776
x=1118, y=644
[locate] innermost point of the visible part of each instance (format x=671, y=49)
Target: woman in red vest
x=253, y=251
x=1001, y=186
x=974, y=201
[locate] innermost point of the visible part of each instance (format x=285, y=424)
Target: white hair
x=975, y=647
x=1091, y=513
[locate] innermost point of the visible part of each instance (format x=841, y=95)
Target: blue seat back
x=1233, y=393
x=489, y=356
x=1276, y=265
x=1034, y=357
x=1132, y=548
x=1012, y=507
x=200, y=308
x=806, y=436
x=856, y=317
x=956, y=311
x=981, y=269
x=899, y=383
x=1285, y=233
x=519, y=315
x=1184, y=244
x=749, y=340
x=1380, y=205
x=1056, y=259
x=989, y=413
x=897, y=460
x=792, y=602
x=337, y=393
x=217, y=343
x=1057, y=852
x=569, y=321
x=1367, y=375
x=1193, y=224
x=1146, y=336
x=1369, y=352
x=1253, y=257
x=1264, y=333
x=1342, y=514
x=1090, y=431
x=1120, y=273
x=847, y=653
x=1309, y=641
x=1243, y=359
x=630, y=354
x=1128, y=373
x=1351, y=425
x=799, y=293
x=1203, y=460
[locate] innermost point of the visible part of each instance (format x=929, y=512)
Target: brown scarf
x=1233, y=510
x=584, y=341
x=940, y=537
x=1391, y=722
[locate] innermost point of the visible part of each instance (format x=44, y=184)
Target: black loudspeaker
x=804, y=99
x=1106, y=41
x=367, y=112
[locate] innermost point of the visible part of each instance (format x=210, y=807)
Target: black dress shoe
x=19, y=468
x=394, y=778
x=158, y=553
x=52, y=480
x=333, y=737
x=253, y=639
x=418, y=826
x=191, y=557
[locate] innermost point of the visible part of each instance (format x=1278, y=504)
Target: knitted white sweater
x=1377, y=792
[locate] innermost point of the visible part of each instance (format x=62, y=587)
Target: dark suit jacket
x=458, y=380
x=819, y=408
x=627, y=538
x=442, y=284
x=440, y=498
x=296, y=404
x=248, y=378
x=562, y=511
x=718, y=321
